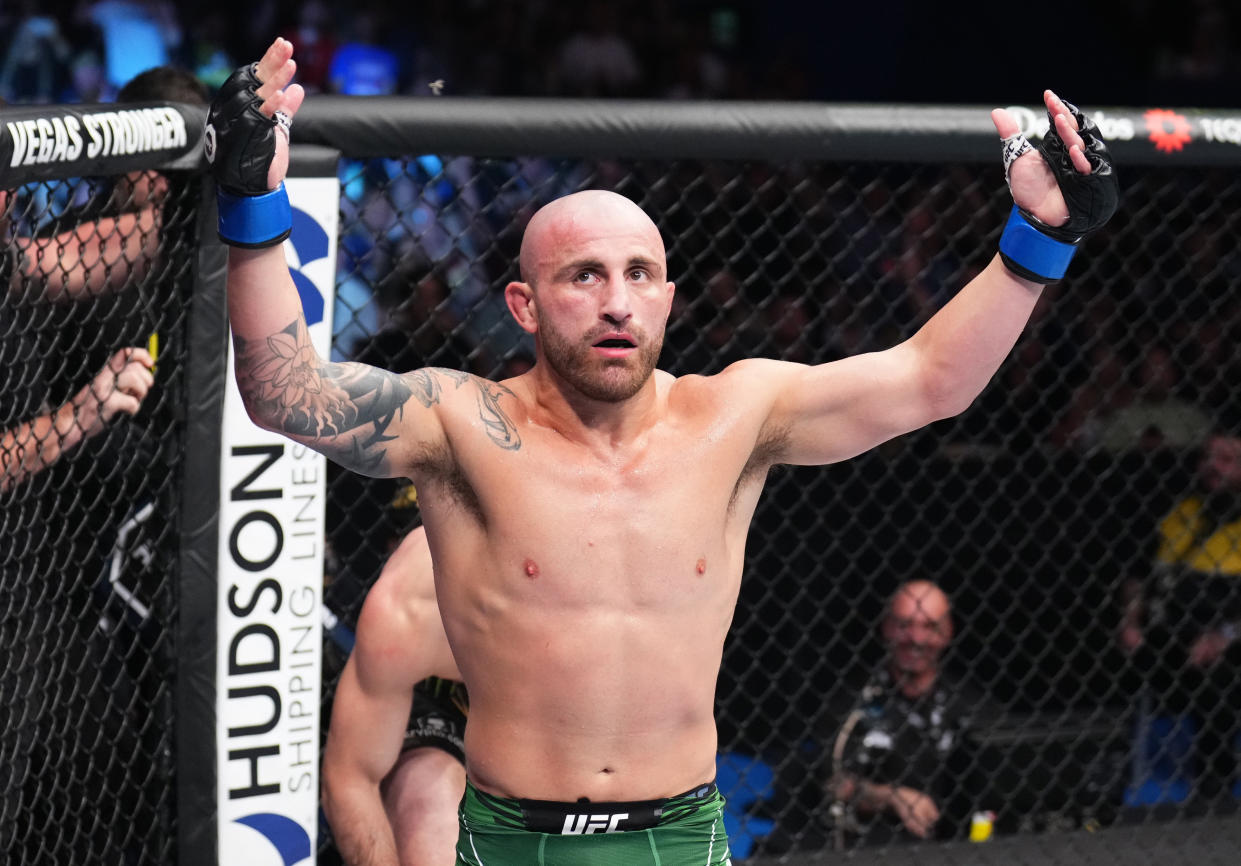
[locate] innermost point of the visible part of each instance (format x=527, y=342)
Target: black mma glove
x=1036, y=251
x=240, y=143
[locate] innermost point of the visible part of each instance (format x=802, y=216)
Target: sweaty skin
x=621, y=642
x=604, y=668
x=597, y=679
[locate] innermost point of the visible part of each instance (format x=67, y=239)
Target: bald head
x=588, y=214
x=917, y=630
x=919, y=596
x=594, y=294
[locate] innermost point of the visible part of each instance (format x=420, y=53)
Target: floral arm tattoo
x=296, y=392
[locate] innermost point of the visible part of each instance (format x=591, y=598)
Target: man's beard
x=618, y=380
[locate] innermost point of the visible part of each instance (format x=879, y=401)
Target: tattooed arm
x=365, y=418
x=368, y=420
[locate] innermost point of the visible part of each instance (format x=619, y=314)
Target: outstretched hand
x=1030, y=179
x=275, y=70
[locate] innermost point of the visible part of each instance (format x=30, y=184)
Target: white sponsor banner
x=270, y=586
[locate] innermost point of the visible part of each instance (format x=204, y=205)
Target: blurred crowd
x=1136, y=352
x=83, y=51
x=1134, y=362
x=815, y=263
x=897, y=50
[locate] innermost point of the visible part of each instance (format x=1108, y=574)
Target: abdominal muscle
x=589, y=622
x=602, y=703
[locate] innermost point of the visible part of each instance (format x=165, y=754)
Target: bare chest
x=649, y=528
x=674, y=480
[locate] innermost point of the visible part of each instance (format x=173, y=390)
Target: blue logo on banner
x=288, y=837
x=310, y=242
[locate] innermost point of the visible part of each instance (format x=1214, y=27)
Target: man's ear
x=520, y=300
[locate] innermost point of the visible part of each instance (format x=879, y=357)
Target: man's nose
x=617, y=304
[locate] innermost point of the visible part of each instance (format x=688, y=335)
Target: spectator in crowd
x=1181, y=623
x=1203, y=60
x=421, y=328
x=697, y=70
x=394, y=766
x=88, y=80
x=599, y=60
x=901, y=754
x=1216, y=368
x=314, y=36
x=137, y=35
x=725, y=327
x=209, y=50
x=94, y=258
x=98, y=257
x=787, y=320
x=33, y=69
x=70, y=294
x=363, y=66
x=1159, y=416
x=1105, y=391
x=925, y=263
x=31, y=445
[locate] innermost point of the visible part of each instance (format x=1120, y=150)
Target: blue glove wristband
x=1031, y=254
x=254, y=221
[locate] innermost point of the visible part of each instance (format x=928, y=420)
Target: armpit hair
x=439, y=466
x=771, y=447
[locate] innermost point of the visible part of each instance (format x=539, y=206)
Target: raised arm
x=400, y=641
x=1062, y=192
x=368, y=420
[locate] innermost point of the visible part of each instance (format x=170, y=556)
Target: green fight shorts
x=687, y=830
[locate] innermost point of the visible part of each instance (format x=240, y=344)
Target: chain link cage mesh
x=1090, y=496
x=89, y=498
x=1081, y=517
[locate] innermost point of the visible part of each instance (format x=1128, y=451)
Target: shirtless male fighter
x=395, y=754
x=588, y=518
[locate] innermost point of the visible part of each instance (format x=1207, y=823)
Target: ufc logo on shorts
x=577, y=825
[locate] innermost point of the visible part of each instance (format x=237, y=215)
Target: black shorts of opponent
x=437, y=717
